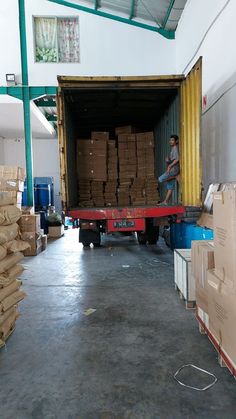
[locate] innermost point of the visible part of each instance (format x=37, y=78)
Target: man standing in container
x=173, y=168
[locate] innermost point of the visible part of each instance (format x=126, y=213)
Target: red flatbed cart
x=143, y=220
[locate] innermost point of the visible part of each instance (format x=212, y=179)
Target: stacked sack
x=11, y=248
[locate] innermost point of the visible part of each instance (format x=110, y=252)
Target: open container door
x=62, y=150
x=190, y=137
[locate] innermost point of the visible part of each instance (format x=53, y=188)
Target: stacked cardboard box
x=112, y=161
x=84, y=191
x=123, y=192
x=151, y=192
x=127, y=129
x=11, y=248
x=202, y=260
x=31, y=233
x=11, y=185
x=145, y=155
x=137, y=192
x=214, y=269
x=127, y=156
x=222, y=280
x=110, y=193
x=92, y=159
x=97, y=193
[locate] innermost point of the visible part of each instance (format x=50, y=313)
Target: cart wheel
x=96, y=244
x=142, y=238
x=85, y=244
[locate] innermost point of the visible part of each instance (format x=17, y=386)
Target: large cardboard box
x=30, y=223
x=100, y=136
x=202, y=261
x=11, y=185
x=35, y=242
x=222, y=314
x=12, y=173
x=224, y=219
x=56, y=232
x=128, y=129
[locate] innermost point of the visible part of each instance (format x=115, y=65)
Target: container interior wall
x=102, y=110
x=70, y=128
x=167, y=125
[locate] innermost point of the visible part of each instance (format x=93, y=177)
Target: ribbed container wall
x=190, y=144
x=169, y=124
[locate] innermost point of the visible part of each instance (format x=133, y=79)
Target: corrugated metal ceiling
x=161, y=13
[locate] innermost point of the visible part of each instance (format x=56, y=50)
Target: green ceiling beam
x=131, y=15
x=46, y=103
x=171, y=5
x=35, y=92
x=165, y=33
x=14, y=91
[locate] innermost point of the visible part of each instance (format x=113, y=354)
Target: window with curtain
x=56, y=39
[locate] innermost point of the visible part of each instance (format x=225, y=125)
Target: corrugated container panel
x=169, y=124
x=191, y=168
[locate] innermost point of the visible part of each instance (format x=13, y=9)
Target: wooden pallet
x=223, y=359
x=188, y=304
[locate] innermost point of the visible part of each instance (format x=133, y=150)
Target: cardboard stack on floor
x=11, y=247
x=214, y=269
x=32, y=234
x=92, y=166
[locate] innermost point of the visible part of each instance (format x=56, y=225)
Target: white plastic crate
x=184, y=280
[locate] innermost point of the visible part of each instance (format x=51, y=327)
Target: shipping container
x=163, y=104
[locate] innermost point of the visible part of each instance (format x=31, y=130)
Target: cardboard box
x=30, y=223
x=27, y=210
x=11, y=185
x=102, y=136
x=11, y=198
x=56, y=232
x=224, y=220
x=202, y=260
x=12, y=173
x=128, y=129
x=222, y=314
x=35, y=242
x=44, y=239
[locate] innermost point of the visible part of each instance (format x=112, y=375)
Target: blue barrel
x=25, y=199
x=44, y=194
x=177, y=236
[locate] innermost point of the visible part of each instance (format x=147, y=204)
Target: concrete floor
x=119, y=361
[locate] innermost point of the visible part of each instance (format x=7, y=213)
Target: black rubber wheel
x=142, y=238
x=152, y=241
x=86, y=244
x=96, y=244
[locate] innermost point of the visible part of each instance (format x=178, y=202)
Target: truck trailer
x=160, y=104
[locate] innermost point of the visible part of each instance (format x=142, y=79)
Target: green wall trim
x=171, y=5
x=167, y=34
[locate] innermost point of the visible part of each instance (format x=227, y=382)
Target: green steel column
x=26, y=104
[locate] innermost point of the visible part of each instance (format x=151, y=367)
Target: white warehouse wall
x=107, y=47
x=45, y=159
x=210, y=35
